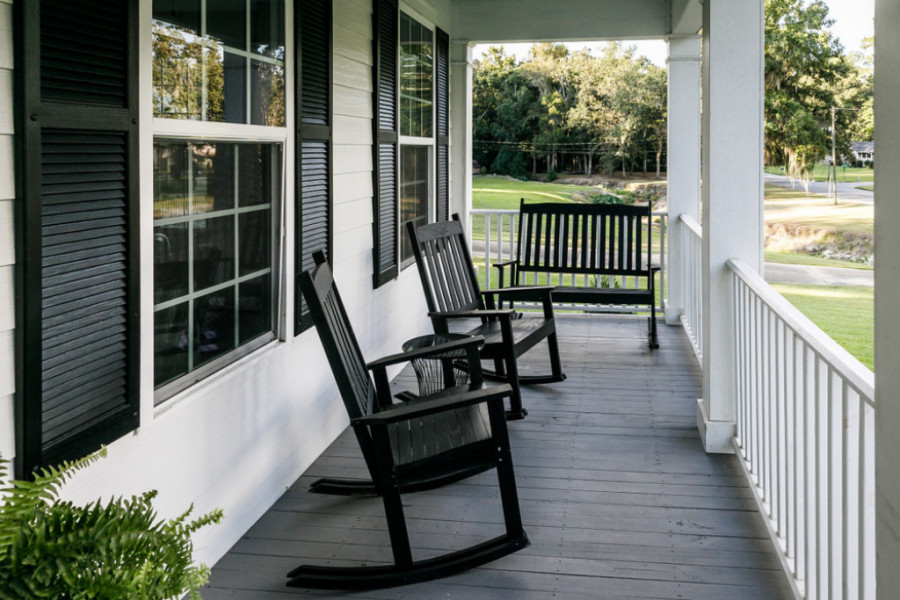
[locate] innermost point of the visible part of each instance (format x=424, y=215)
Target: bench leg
x=555, y=363
x=651, y=329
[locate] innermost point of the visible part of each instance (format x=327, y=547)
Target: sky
x=853, y=20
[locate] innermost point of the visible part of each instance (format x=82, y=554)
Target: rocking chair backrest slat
x=344, y=355
x=445, y=267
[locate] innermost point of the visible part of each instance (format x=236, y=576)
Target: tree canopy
x=562, y=110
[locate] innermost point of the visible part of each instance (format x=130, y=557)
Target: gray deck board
x=617, y=496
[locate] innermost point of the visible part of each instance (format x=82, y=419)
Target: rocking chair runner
x=452, y=292
x=423, y=442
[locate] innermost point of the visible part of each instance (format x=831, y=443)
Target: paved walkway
x=810, y=275
x=846, y=191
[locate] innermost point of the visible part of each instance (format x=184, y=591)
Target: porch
x=618, y=496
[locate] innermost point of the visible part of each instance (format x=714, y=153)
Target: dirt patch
x=853, y=246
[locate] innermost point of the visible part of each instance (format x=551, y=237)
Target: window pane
x=213, y=252
x=234, y=90
x=415, y=78
x=268, y=94
x=414, y=178
x=267, y=28
x=213, y=326
x=212, y=183
x=254, y=236
x=177, y=73
x=226, y=22
x=255, y=312
x=170, y=262
x=257, y=163
x=182, y=13
x=170, y=332
x=170, y=181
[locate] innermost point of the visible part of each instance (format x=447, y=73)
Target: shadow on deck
x=618, y=497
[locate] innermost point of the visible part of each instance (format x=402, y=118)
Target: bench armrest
x=473, y=314
x=442, y=402
x=523, y=292
x=513, y=264
x=402, y=357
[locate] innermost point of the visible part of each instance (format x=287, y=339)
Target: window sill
x=166, y=402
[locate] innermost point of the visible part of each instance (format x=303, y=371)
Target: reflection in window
x=416, y=60
x=213, y=250
x=201, y=65
x=414, y=193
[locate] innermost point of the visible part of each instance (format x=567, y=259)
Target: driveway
x=814, y=275
x=846, y=191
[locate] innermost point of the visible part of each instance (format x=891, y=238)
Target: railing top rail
x=691, y=224
x=515, y=211
x=856, y=374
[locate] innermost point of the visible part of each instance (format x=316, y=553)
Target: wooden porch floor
x=618, y=498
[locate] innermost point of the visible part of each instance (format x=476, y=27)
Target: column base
x=672, y=313
x=715, y=435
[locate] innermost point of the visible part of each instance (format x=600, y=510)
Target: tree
x=804, y=64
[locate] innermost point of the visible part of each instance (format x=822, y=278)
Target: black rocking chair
x=425, y=441
x=452, y=292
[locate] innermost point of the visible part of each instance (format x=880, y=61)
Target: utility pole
x=834, y=110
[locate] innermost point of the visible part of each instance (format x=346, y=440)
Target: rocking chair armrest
x=442, y=401
x=473, y=314
x=425, y=352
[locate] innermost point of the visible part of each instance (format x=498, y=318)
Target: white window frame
x=407, y=140
x=154, y=128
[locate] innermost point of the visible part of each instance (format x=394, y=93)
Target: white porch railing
x=806, y=440
x=493, y=235
x=691, y=270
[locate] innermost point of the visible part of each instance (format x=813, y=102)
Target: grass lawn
x=783, y=205
x=844, y=313
x=867, y=188
x=489, y=191
x=844, y=174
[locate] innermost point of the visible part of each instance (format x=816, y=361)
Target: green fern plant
x=52, y=548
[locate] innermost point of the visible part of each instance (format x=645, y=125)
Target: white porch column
x=461, y=130
x=731, y=191
x=683, y=169
x=887, y=298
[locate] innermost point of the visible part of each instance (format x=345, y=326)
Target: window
x=213, y=251
x=416, y=127
x=411, y=129
x=219, y=61
x=216, y=198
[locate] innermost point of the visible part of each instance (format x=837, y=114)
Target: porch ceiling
x=618, y=497
x=508, y=21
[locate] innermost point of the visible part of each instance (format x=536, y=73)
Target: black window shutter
x=386, y=147
x=314, y=213
x=77, y=336
x=442, y=110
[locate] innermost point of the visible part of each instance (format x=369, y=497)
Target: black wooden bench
x=592, y=253
x=421, y=443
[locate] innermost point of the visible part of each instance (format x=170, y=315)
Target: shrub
x=509, y=162
x=550, y=176
x=51, y=548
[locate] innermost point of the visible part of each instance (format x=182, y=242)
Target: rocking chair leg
x=516, y=411
x=555, y=363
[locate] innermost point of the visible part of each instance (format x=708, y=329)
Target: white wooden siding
x=7, y=235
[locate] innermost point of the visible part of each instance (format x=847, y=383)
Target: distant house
x=863, y=151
